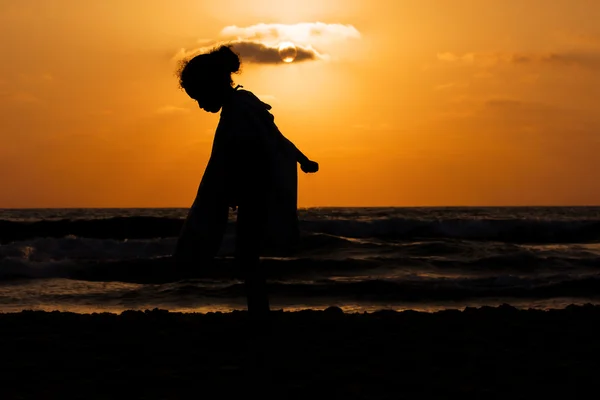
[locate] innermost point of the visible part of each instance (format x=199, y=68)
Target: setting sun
x=287, y=51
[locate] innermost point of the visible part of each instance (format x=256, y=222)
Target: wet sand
x=484, y=353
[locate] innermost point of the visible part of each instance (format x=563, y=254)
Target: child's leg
x=249, y=237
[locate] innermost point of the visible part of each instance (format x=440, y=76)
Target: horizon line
x=306, y=207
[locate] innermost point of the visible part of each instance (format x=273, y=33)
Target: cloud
x=35, y=78
x=303, y=33
x=500, y=111
x=451, y=85
x=578, y=39
x=25, y=98
x=533, y=111
x=267, y=98
x=169, y=110
x=259, y=43
x=472, y=107
x=503, y=103
x=383, y=126
x=589, y=60
x=256, y=52
x=499, y=102
x=585, y=60
x=260, y=53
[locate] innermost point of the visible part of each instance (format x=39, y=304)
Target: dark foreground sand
x=486, y=353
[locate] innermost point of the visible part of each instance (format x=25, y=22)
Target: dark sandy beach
x=476, y=353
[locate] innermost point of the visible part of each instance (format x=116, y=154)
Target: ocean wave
x=445, y=289
x=104, y=228
x=425, y=289
x=50, y=249
x=387, y=291
x=77, y=248
x=535, y=230
x=162, y=268
x=504, y=230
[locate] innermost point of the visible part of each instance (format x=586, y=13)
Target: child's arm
x=306, y=165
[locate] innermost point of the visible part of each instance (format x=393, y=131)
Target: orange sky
x=407, y=102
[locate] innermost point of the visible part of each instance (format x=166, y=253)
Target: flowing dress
x=253, y=166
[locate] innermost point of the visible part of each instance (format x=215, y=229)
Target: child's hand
x=309, y=166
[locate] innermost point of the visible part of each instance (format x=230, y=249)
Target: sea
x=358, y=259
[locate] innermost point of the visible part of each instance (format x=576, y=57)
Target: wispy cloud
x=256, y=52
x=303, y=33
x=578, y=39
x=504, y=103
x=23, y=97
x=451, y=85
x=260, y=43
x=572, y=59
x=35, y=78
x=506, y=108
x=383, y=126
x=169, y=109
x=267, y=98
x=264, y=54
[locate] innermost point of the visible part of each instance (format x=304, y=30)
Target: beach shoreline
x=494, y=352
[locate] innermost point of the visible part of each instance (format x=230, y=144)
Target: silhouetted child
x=252, y=168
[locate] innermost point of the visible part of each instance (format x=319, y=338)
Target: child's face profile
x=208, y=99
x=208, y=94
